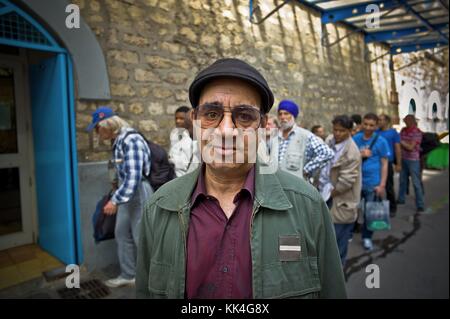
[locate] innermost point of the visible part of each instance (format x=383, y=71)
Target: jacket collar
x=344, y=152
x=268, y=192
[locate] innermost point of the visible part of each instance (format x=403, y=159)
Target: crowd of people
x=366, y=153
x=225, y=230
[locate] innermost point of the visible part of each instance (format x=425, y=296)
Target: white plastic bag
x=376, y=213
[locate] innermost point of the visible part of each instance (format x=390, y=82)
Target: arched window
x=412, y=107
x=17, y=28
x=434, y=109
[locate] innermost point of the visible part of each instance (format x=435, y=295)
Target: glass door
x=15, y=181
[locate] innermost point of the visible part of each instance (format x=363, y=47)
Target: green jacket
x=284, y=205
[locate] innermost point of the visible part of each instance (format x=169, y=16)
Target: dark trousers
x=411, y=168
x=343, y=234
x=390, y=191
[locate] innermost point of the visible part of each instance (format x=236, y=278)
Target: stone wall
x=423, y=76
x=154, y=49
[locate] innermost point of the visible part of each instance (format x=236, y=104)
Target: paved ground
x=40, y=288
x=413, y=258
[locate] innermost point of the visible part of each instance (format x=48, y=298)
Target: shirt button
x=225, y=269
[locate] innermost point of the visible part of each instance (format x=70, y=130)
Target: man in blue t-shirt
x=395, y=157
x=375, y=153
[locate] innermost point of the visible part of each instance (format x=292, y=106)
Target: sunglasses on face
x=243, y=116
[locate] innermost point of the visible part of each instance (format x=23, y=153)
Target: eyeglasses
x=243, y=116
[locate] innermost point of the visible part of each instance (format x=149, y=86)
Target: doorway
x=16, y=208
x=38, y=120
x=51, y=50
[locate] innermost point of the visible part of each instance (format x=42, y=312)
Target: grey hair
x=275, y=120
x=114, y=123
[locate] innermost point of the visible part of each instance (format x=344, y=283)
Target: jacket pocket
x=158, y=279
x=345, y=212
x=293, y=161
x=348, y=205
x=291, y=279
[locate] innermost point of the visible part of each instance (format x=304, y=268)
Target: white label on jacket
x=290, y=248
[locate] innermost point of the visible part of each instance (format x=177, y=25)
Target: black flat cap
x=233, y=68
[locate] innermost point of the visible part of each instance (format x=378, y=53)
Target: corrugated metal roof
x=405, y=25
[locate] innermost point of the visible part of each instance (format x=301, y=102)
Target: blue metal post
x=398, y=33
x=74, y=161
x=411, y=47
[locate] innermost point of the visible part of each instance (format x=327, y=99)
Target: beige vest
x=294, y=158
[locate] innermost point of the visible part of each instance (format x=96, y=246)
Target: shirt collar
x=200, y=188
x=120, y=136
x=341, y=145
x=177, y=197
x=411, y=129
x=291, y=132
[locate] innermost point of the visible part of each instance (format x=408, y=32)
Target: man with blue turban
x=299, y=151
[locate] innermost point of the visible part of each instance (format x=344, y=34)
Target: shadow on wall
x=335, y=73
x=170, y=41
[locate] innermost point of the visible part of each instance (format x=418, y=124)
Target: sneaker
x=392, y=214
x=119, y=282
x=367, y=243
x=420, y=210
x=400, y=202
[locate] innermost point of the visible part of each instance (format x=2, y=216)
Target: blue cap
x=289, y=106
x=102, y=113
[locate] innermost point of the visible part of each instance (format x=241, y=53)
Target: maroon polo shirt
x=219, y=262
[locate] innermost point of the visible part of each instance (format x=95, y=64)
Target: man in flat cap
x=297, y=150
x=230, y=229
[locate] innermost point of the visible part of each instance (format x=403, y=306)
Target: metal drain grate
x=91, y=289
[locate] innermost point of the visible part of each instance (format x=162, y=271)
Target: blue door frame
x=54, y=136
